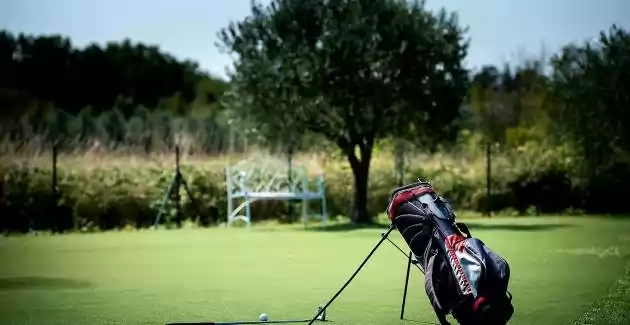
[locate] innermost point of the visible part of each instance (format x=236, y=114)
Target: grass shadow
x=349, y=226
x=515, y=227
x=346, y=226
x=407, y=320
x=34, y=282
x=620, y=216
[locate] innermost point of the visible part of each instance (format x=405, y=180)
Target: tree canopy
x=48, y=68
x=353, y=71
x=592, y=81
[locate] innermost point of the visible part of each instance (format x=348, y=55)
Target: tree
x=593, y=81
x=352, y=71
x=271, y=131
x=48, y=69
x=510, y=106
x=491, y=100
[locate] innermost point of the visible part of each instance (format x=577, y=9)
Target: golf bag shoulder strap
x=438, y=283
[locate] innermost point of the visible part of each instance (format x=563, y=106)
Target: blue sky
x=500, y=30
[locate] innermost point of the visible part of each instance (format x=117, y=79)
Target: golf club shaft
x=353, y=275
x=246, y=322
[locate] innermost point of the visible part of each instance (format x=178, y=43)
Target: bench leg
x=248, y=211
x=324, y=217
x=304, y=211
x=230, y=209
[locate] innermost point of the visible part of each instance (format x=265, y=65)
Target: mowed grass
x=563, y=268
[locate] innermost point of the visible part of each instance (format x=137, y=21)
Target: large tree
x=592, y=81
x=507, y=105
x=491, y=105
x=353, y=71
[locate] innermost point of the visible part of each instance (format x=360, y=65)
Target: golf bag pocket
x=489, y=276
x=463, y=276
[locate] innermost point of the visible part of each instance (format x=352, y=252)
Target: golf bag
x=463, y=277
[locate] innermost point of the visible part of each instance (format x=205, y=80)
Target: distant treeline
x=48, y=69
x=126, y=94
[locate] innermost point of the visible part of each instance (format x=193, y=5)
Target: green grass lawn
x=564, y=270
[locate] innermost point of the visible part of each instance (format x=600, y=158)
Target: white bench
x=264, y=179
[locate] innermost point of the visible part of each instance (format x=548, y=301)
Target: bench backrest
x=269, y=176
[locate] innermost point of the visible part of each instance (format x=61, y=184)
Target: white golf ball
x=263, y=317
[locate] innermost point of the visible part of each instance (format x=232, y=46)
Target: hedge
x=112, y=193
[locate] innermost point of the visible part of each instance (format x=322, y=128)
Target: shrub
x=119, y=192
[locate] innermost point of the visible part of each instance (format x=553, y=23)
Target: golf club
x=320, y=317
x=245, y=322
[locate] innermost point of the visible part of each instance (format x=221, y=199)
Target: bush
x=102, y=197
x=114, y=193
x=606, y=189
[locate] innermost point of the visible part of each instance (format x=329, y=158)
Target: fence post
x=488, y=178
x=54, y=200
x=176, y=194
x=54, y=174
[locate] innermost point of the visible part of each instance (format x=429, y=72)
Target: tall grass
x=113, y=175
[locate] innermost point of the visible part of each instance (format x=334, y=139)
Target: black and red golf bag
x=463, y=277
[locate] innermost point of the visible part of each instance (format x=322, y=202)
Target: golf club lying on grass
x=321, y=316
x=246, y=322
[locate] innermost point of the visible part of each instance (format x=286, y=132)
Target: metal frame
x=267, y=179
x=172, y=193
x=411, y=260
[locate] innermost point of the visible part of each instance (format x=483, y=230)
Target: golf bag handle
x=408, y=192
x=420, y=182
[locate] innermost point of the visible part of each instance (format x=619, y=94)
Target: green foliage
x=145, y=131
x=592, y=80
x=105, y=194
x=105, y=197
x=47, y=69
x=591, y=83
x=510, y=98
x=351, y=71
x=343, y=80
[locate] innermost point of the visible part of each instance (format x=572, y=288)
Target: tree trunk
x=360, y=212
x=361, y=170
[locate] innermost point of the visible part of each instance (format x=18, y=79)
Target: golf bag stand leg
x=323, y=309
x=404, y=300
